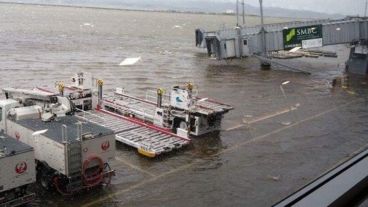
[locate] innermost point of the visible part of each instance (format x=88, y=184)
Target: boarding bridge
x=247, y=41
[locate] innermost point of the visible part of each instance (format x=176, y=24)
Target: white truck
x=17, y=172
x=71, y=154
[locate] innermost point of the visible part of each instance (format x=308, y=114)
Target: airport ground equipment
x=261, y=40
x=17, y=172
x=155, y=124
x=180, y=112
x=71, y=154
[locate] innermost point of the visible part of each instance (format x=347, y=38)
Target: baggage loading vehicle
x=154, y=125
x=17, y=172
x=79, y=92
x=71, y=154
x=181, y=112
x=149, y=140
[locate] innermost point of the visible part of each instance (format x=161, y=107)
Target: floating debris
x=286, y=123
x=130, y=61
x=274, y=178
x=87, y=25
x=177, y=27
x=297, y=52
x=295, y=49
x=286, y=55
x=165, y=52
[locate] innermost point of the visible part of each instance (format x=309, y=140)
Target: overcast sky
x=347, y=7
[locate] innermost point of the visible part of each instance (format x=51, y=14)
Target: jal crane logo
x=17, y=135
x=21, y=167
x=105, y=145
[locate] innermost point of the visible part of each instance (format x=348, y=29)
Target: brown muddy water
x=254, y=164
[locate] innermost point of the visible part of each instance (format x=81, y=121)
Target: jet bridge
x=241, y=42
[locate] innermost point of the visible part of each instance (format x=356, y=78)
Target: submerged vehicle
x=156, y=124
x=17, y=172
x=71, y=154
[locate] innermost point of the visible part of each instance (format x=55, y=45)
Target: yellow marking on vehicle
x=146, y=153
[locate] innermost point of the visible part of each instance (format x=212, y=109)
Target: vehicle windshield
x=262, y=105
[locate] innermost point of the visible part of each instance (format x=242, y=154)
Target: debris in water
x=286, y=123
x=87, y=25
x=274, y=178
x=165, y=52
x=298, y=52
x=130, y=61
x=294, y=49
x=350, y=92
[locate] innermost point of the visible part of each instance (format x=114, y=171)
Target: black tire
x=45, y=175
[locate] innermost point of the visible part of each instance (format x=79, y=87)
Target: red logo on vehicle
x=21, y=167
x=17, y=135
x=105, y=145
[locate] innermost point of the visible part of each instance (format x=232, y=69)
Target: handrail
x=89, y=113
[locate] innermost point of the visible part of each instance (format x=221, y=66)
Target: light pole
x=264, y=65
x=262, y=29
x=237, y=13
x=243, y=12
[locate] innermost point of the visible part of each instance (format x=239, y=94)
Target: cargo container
x=17, y=172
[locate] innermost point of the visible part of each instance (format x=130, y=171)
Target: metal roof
x=54, y=128
x=10, y=146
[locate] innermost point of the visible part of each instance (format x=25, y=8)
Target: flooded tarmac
x=271, y=144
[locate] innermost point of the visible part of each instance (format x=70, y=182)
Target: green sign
x=293, y=37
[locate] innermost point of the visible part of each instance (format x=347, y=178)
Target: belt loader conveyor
x=163, y=123
x=149, y=140
x=147, y=108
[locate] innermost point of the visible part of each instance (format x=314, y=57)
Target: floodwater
x=253, y=164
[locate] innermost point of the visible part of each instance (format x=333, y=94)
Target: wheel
x=44, y=175
x=183, y=125
x=46, y=180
